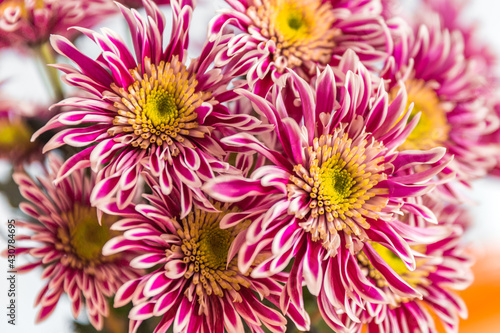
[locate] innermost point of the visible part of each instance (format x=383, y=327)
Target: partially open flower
x=70, y=241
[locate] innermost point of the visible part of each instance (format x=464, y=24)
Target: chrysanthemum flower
x=70, y=242
x=151, y=112
x=444, y=87
x=15, y=133
x=196, y=285
x=337, y=186
x=477, y=50
x=303, y=34
x=441, y=268
x=30, y=22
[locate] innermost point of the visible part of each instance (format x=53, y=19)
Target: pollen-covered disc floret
x=159, y=106
x=301, y=30
x=339, y=180
x=204, y=248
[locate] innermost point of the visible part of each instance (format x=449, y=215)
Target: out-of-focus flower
x=477, y=51
x=448, y=94
x=482, y=61
x=153, y=113
x=16, y=131
x=493, y=139
x=301, y=35
x=139, y=3
x=31, y=22
x=196, y=285
x=441, y=269
x=391, y=8
x=70, y=240
x=337, y=185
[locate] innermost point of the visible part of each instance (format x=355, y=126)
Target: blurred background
x=482, y=298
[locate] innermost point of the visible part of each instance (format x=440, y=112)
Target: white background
x=25, y=84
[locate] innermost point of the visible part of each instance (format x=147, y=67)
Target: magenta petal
x=313, y=266
x=142, y=311
x=156, y=284
x=398, y=284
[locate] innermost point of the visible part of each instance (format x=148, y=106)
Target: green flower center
x=205, y=248
x=336, y=182
x=214, y=247
x=160, y=108
x=295, y=22
x=87, y=238
x=292, y=23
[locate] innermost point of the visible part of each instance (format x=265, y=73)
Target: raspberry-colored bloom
x=70, y=240
x=150, y=110
x=441, y=269
x=31, y=22
x=339, y=183
x=450, y=96
x=196, y=285
x=302, y=35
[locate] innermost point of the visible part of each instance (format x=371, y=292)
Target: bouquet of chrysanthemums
x=307, y=170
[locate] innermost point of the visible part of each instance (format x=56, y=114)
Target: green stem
x=46, y=56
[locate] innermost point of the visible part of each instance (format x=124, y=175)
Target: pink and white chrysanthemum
x=338, y=184
x=70, y=240
x=477, y=50
x=302, y=35
x=194, y=282
x=150, y=111
x=450, y=95
x=31, y=22
x=441, y=268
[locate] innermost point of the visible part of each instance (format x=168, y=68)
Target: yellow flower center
x=301, y=29
x=205, y=249
x=432, y=129
x=160, y=106
x=14, y=135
